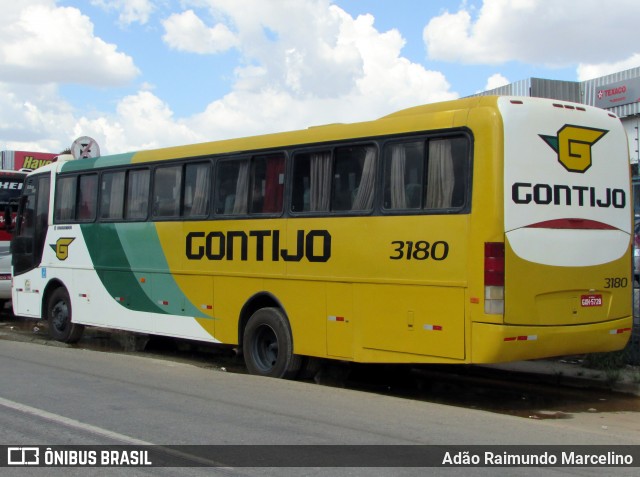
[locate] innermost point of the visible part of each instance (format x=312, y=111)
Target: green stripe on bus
x=91, y=163
x=113, y=267
x=136, y=275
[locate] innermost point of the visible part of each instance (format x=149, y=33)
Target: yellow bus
x=480, y=230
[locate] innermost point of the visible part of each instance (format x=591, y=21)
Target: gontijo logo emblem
x=573, y=146
x=61, y=247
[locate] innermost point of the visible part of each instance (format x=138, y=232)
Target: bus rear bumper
x=492, y=343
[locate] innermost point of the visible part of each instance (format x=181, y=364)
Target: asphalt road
x=53, y=395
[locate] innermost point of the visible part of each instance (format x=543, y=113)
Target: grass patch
x=606, y=361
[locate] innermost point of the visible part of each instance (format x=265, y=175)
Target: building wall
x=629, y=104
x=631, y=125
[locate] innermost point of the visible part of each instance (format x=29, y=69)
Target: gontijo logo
x=61, y=247
x=573, y=146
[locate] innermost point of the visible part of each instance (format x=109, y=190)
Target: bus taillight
x=494, y=278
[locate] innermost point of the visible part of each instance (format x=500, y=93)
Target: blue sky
x=150, y=73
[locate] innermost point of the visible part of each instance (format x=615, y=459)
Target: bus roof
x=419, y=118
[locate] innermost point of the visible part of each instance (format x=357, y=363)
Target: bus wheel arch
x=51, y=286
x=58, y=312
x=253, y=304
x=267, y=340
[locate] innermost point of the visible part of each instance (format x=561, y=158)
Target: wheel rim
x=265, y=348
x=60, y=315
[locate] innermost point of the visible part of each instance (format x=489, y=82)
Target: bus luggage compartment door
x=420, y=320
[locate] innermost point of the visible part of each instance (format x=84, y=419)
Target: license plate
x=5, y=276
x=591, y=300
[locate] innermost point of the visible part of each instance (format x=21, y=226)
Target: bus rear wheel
x=61, y=327
x=268, y=345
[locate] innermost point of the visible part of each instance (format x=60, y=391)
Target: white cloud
x=303, y=64
x=300, y=63
x=186, y=32
x=587, y=72
x=34, y=118
x=387, y=77
x=544, y=32
x=332, y=67
x=496, y=81
x=310, y=50
x=141, y=121
x=131, y=11
x=295, y=45
x=42, y=44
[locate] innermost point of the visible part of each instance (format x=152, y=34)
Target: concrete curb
x=571, y=372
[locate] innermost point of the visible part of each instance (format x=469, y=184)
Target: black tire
x=268, y=345
x=59, y=315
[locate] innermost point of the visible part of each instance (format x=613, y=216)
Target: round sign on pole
x=85, y=147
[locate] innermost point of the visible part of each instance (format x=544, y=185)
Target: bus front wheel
x=61, y=328
x=268, y=345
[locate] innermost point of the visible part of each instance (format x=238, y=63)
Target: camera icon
x=23, y=456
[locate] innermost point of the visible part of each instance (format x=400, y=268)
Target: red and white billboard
x=16, y=160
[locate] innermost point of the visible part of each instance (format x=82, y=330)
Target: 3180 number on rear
x=616, y=282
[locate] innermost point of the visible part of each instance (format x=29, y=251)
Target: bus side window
x=354, y=178
x=403, y=175
x=87, y=197
x=167, y=185
x=428, y=175
x=137, y=202
x=447, y=171
x=112, y=195
x=267, y=184
x=232, y=187
x=311, y=181
x=461, y=170
x=65, y=205
x=197, y=189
